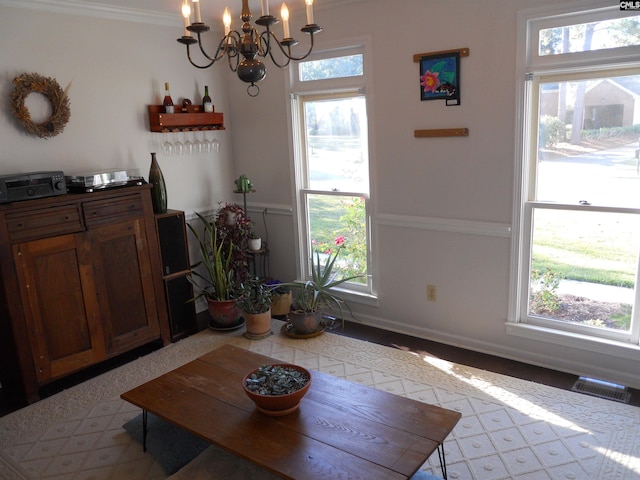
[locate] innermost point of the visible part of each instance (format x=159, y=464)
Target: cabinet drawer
x=46, y=222
x=102, y=211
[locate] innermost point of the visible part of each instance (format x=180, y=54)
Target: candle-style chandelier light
x=248, y=44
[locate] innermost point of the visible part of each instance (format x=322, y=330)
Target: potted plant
x=234, y=229
x=254, y=242
x=281, y=298
x=255, y=303
x=216, y=280
x=313, y=298
x=277, y=389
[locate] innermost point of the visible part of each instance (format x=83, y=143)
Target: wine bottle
x=158, y=187
x=167, y=102
x=207, y=106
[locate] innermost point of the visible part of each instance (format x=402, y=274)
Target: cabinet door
x=124, y=279
x=55, y=277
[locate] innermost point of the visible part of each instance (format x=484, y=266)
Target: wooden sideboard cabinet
x=81, y=282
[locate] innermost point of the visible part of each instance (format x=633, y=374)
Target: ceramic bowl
x=277, y=405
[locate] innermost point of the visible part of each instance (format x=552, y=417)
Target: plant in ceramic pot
x=281, y=297
x=234, y=230
x=214, y=274
x=313, y=298
x=255, y=303
x=277, y=389
x=254, y=242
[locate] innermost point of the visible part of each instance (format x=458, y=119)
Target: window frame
x=531, y=69
x=299, y=91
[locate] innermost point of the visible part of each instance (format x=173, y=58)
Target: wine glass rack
x=187, y=118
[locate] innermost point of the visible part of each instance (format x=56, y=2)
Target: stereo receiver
x=25, y=186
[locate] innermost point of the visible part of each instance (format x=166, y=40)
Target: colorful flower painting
x=439, y=77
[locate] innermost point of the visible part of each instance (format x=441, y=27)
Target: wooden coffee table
x=341, y=430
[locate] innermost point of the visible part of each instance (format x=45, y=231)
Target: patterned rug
x=510, y=428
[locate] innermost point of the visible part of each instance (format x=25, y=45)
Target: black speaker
x=173, y=242
x=174, y=250
x=182, y=312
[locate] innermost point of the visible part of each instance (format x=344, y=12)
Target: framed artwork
x=440, y=77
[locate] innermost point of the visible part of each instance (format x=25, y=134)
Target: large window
x=331, y=154
x=578, y=235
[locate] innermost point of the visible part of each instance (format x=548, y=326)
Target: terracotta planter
x=224, y=313
x=281, y=304
x=305, y=323
x=278, y=405
x=258, y=324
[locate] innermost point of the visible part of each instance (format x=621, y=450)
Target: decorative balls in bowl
x=277, y=389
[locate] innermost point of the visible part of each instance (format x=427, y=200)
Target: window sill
x=358, y=297
x=567, y=339
x=352, y=296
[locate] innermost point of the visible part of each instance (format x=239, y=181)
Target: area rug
x=510, y=428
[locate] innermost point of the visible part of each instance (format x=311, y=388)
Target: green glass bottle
x=159, y=188
x=207, y=106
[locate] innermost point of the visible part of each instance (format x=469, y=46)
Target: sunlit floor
x=466, y=357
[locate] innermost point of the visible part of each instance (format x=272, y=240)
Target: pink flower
x=339, y=241
x=430, y=81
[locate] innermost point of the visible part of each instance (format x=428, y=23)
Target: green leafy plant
x=353, y=226
x=218, y=280
x=315, y=295
x=551, y=131
x=255, y=296
x=233, y=230
x=545, y=299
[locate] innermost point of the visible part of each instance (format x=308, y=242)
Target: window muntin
x=337, y=143
x=571, y=168
x=336, y=178
x=334, y=67
x=331, y=153
x=591, y=36
x=583, y=263
x=579, y=218
x=340, y=216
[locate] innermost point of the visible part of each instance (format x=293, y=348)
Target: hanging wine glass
x=197, y=144
x=167, y=147
x=178, y=146
x=206, y=145
x=215, y=145
x=188, y=146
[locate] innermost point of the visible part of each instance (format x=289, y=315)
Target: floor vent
x=602, y=389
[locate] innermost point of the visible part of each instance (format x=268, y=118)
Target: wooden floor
x=370, y=334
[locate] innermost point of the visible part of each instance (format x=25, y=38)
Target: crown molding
x=96, y=10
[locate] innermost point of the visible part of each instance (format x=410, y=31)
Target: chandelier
x=248, y=44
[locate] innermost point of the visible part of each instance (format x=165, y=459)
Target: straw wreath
x=28, y=83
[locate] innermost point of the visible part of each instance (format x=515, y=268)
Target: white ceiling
x=165, y=12
x=174, y=6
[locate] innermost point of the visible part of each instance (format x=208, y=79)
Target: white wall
x=443, y=206
x=116, y=68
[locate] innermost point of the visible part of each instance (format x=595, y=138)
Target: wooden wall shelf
x=442, y=132
x=193, y=119
x=464, y=52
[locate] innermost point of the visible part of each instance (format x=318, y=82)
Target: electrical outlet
x=431, y=293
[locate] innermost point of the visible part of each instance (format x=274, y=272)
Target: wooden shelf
x=442, y=132
x=193, y=119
